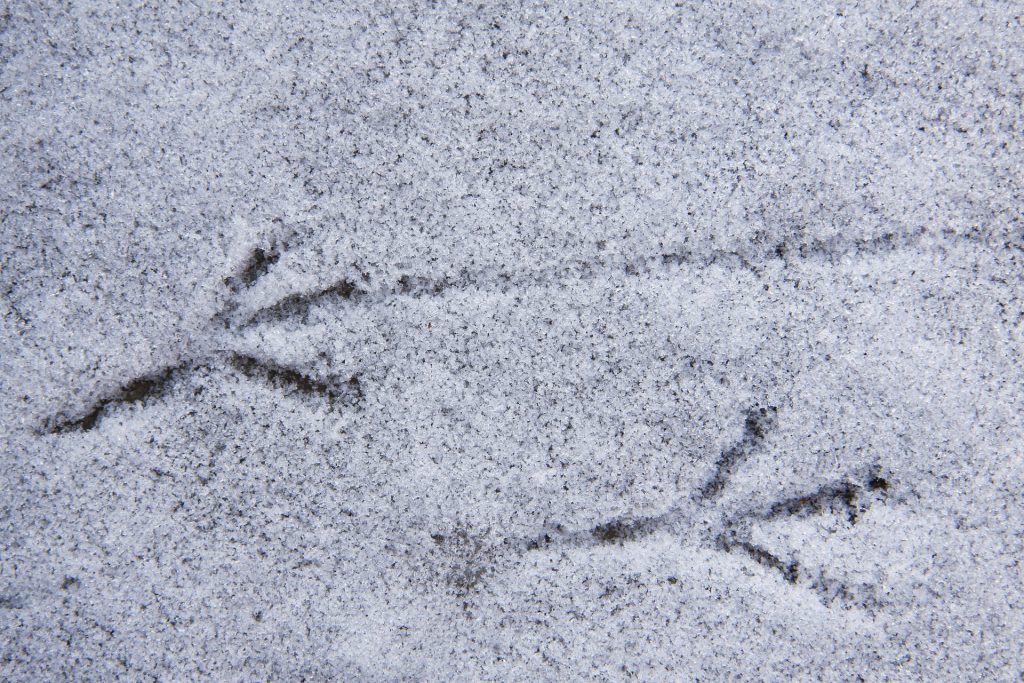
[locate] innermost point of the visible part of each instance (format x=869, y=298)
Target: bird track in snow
x=851, y=496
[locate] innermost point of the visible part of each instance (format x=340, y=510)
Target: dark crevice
x=258, y=263
x=833, y=498
x=262, y=258
x=755, y=428
x=843, y=498
x=138, y=390
x=298, y=305
x=790, y=571
x=878, y=484
x=614, y=532
x=495, y=278
x=348, y=392
x=621, y=531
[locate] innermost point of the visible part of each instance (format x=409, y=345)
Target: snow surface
x=577, y=341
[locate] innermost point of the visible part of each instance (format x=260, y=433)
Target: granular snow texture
x=595, y=341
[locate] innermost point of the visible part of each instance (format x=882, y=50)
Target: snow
x=540, y=342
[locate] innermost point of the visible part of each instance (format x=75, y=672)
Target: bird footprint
x=768, y=535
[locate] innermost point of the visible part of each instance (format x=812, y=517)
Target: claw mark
x=297, y=305
x=828, y=498
x=348, y=392
x=137, y=390
x=258, y=263
x=617, y=531
x=790, y=571
x=844, y=498
x=751, y=258
x=156, y=385
x=261, y=258
x=756, y=426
